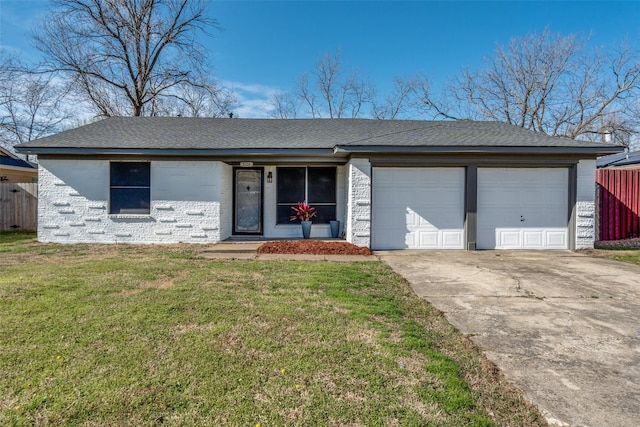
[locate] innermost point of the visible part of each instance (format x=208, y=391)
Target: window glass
x=130, y=189
x=130, y=174
x=322, y=185
x=325, y=213
x=130, y=201
x=291, y=185
x=316, y=185
x=284, y=213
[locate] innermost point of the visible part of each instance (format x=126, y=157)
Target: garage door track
x=563, y=326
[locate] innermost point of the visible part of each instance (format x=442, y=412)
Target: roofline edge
x=177, y=152
x=597, y=150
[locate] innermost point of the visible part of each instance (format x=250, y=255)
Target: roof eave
x=480, y=149
x=177, y=152
x=19, y=168
x=337, y=151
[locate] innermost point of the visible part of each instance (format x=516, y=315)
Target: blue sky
x=265, y=45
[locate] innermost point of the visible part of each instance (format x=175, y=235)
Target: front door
x=247, y=215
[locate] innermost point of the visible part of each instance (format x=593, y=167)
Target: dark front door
x=247, y=215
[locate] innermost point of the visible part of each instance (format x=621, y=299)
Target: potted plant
x=304, y=213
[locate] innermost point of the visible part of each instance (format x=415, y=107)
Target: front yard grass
x=625, y=255
x=148, y=335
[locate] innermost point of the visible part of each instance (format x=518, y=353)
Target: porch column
x=358, y=224
x=585, y=206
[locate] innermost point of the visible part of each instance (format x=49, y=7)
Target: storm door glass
x=248, y=197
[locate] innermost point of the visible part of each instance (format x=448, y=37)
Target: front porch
x=332, y=249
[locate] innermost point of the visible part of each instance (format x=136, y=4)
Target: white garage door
x=418, y=208
x=522, y=208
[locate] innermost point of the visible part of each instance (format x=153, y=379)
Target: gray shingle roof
x=182, y=133
x=620, y=159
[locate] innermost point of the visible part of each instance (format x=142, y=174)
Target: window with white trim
x=315, y=184
x=129, y=188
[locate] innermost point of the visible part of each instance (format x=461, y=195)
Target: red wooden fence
x=618, y=198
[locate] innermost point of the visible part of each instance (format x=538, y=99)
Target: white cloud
x=253, y=99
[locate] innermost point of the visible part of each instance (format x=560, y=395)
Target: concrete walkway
x=564, y=327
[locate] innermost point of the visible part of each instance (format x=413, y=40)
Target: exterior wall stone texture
x=358, y=222
x=585, y=204
x=73, y=204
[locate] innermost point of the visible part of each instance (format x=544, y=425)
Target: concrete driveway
x=564, y=327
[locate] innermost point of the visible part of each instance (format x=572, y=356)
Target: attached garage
x=418, y=208
x=523, y=208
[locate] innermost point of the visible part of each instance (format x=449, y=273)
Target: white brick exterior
x=585, y=204
x=358, y=222
x=186, y=206
x=192, y=202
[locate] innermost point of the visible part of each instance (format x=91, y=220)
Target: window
x=316, y=185
x=130, y=188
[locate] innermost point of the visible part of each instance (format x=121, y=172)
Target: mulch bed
x=312, y=247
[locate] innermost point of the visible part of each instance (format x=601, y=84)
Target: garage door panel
x=557, y=239
x=452, y=239
x=522, y=208
x=556, y=197
x=412, y=219
x=447, y=197
x=385, y=177
x=418, y=208
x=427, y=239
x=533, y=238
x=411, y=240
x=509, y=238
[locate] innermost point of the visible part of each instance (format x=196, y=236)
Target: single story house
x=396, y=184
x=13, y=169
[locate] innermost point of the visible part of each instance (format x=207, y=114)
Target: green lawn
x=620, y=254
x=149, y=335
x=624, y=255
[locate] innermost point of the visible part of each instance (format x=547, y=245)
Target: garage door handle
x=521, y=218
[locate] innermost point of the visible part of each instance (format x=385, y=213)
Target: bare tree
x=284, y=106
x=332, y=91
x=551, y=84
x=125, y=56
x=203, y=100
x=401, y=102
x=31, y=105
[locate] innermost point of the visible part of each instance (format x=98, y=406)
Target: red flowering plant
x=303, y=212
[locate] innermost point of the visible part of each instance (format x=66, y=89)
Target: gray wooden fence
x=19, y=206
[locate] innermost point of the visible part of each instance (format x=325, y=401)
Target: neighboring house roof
x=8, y=159
x=620, y=159
x=177, y=135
